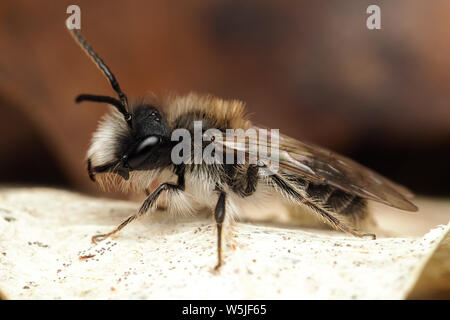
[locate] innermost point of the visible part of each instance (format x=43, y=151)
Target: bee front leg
x=149, y=202
x=219, y=215
x=160, y=207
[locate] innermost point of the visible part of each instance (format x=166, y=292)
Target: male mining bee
x=133, y=147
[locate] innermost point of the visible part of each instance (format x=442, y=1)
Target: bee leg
x=160, y=207
x=101, y=237
x=285, y=185
x=219, y=215
x=149, y=201
x=335, y=222
x=373, y=236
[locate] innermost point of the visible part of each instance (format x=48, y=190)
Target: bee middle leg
x=219, y=215
x=149, y=202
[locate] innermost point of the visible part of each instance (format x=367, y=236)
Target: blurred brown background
x=310, y=68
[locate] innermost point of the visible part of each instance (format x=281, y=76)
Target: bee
x=132, y=149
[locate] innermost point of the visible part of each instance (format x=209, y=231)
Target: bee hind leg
x=371, y=235
x=335, y=222
x=329, y=218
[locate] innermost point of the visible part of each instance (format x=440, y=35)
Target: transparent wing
x=319, y=165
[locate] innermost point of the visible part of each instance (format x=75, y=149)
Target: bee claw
x=98, y=238
x=216, y=269
x=372, y=235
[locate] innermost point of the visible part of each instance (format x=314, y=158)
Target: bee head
x=118, y=147
x=127, y=139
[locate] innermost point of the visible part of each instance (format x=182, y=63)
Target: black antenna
x=121, y=105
